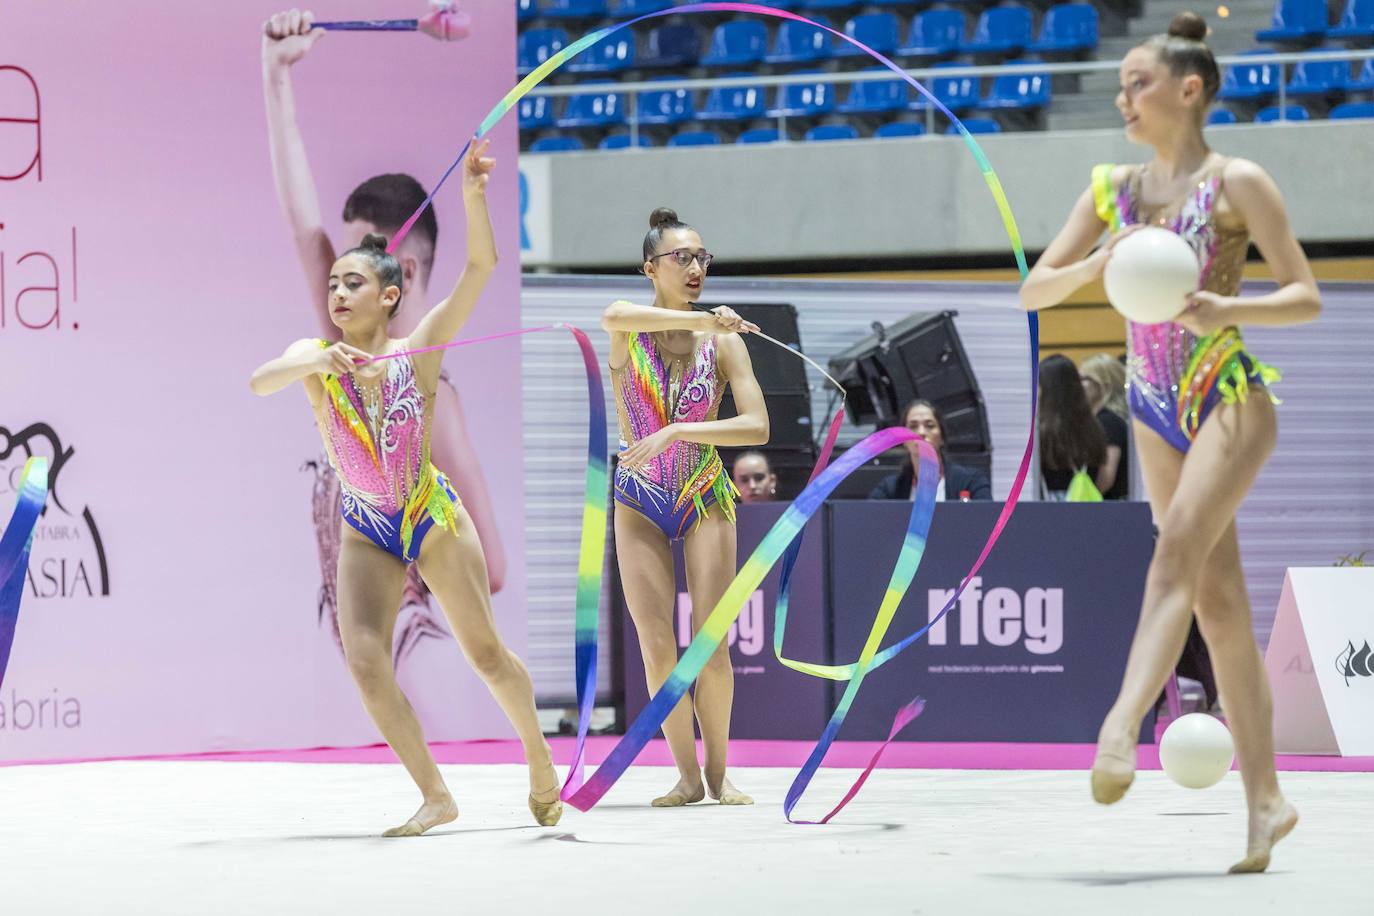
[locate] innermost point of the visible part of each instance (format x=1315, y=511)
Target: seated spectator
x=754, y=478
x=1071, y=439
x=1104, y=383
x=956, y=481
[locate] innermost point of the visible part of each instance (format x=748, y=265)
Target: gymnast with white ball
x=1203, y=417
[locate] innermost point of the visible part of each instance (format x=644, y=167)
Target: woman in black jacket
x=956, y=480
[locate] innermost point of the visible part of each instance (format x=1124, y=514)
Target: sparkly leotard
x=1175, y=378
x=677, y=486
x=377, y=437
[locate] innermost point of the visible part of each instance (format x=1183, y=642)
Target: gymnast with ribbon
x=375, y=416
x=670, y=365
x=1202, y=440
x=379, y=204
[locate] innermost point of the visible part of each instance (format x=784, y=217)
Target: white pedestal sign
x=1321, y=664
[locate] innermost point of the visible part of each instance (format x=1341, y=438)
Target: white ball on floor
x=1196, y=750
x=1150, y=274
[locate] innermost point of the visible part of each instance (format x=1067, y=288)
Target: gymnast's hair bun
x=373, y=240
x=1188, y=25
x=662, y=217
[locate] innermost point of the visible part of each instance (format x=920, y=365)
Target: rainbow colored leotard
x=676, y=488
x=1174, y=378
x=376, y=434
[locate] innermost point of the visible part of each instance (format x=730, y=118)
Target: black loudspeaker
x=920, y=356
x=781, y=376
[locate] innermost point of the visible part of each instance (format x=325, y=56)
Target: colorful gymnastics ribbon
x=785, y=532
x=774, y=543
x=14, y=550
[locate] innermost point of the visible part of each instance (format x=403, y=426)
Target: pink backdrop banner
x=177, y=599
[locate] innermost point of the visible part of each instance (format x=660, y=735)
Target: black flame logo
x=1354, y=662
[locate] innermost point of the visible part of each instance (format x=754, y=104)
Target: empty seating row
x=818, y=134
x=606, y=107
x=1306, y=21
x=1260, y=80
x=1003, y=30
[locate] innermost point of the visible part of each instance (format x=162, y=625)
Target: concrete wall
x=890, y=198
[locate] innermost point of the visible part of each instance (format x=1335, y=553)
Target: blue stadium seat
x=1287, y=113
x=676, y=45
x=555, y=145
x=737, y=44
x=1221, y=116
x=665, y=106
x=1364, y=80
x=573, y=9
x=877, y=96
x=977, y=126
x=804, y=100
x=1352, y=110
x=1250, y=82
x=733, y=103
x=609, y=55
x=622, y=141
x=957, y=93
x=935, y=33
x=799, y=43
x=1356, y=22
x=826, y=5
x=1068, y=27
x=535, y=46
x=880, y=31
x=525, y=10
x=1296, y=21
x=900, y=129
x=831, y=132
x=1018, y=91
x=695, y=138
x=535, y=111
x=594, y=109
x=1001, y=30
x=627, y=9
x=759, y=135
x=1320, y=77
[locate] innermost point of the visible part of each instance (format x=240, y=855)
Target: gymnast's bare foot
x=545, y=804
x=724, y=791
x=1270, y=822
x=547, y=807
x=1114, y=766
x=431, y=814
x=686, y=792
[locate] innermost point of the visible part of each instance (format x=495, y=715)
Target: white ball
x=1196, y=750
x=1150, y=274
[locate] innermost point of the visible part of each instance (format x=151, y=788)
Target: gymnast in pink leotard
x=1204, y=423
x=375, y=418
x=669, y=368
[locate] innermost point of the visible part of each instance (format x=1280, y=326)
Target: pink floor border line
x=906, y=755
